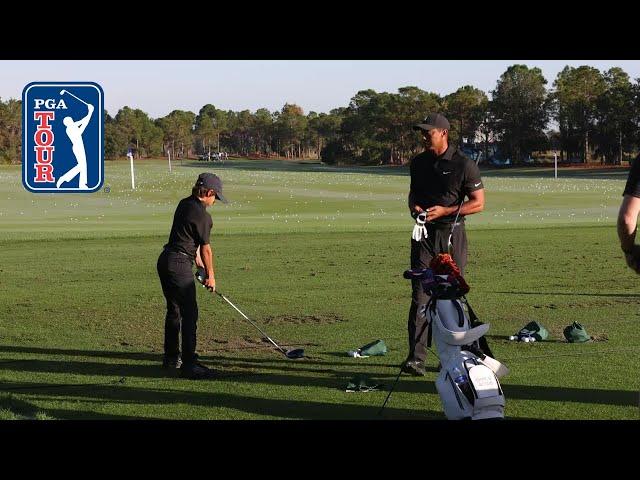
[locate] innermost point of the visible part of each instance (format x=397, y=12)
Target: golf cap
x=433, y=120
x=213, y=182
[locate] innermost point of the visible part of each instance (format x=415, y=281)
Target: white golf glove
x=419, y=230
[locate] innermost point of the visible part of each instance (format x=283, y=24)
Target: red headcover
x=443, y=264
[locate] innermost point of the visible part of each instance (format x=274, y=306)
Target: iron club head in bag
x=296, y=353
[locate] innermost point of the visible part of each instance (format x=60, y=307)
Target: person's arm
x=206, y=255
x=82, y=124
x=413, y=208
x=412, y=205
x=199, y=258
x=474, y=204
x=627, y=227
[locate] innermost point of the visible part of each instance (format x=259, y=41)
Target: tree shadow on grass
x=297, y=365
x=230, y=368
x=288, y=409
x=337, y=381
x=29, y=411
x=232, y=372
x=18, y=407
x=269, y=372
x=81, y=353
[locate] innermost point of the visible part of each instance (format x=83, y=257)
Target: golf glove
x=419, y=230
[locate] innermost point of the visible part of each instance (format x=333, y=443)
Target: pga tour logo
x=63, y=137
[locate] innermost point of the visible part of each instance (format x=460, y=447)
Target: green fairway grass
x=315, y=256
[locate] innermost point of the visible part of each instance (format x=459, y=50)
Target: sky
x=160, y=86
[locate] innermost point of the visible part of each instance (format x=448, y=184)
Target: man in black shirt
x=188, y=242
x=628, y=217
x=441, y=177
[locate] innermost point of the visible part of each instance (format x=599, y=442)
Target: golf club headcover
x=418, y=274
x=419, y=230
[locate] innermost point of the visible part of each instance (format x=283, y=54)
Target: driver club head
x=62, y=92
x=296, y=353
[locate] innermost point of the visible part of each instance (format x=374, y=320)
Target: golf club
x=392, y=387
x=62, y=92
x=291, y=354
x=455, y=222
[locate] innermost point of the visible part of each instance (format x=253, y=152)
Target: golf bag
x=468, y=382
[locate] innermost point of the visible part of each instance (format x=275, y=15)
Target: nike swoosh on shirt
x=446, y=173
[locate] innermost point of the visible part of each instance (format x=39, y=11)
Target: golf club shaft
x=67, y=91
x=247, y=318
x=455, y=221
x=392, y=388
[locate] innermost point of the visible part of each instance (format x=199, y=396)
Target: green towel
x=362, y=383
x=535, y=330
x=575, y=333
x=372, y=349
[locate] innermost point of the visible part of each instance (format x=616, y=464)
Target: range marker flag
x=63, y=137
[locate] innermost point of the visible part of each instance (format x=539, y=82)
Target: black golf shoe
x=169, y=363
x=196, y=371
x=415, y=368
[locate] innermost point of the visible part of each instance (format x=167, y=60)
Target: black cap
x=211, y=181
x=433, y=120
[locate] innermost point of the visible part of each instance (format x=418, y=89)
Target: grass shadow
x=81, y=353
x=282, y=408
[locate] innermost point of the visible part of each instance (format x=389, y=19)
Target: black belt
x=445, y=225
x=173, y=250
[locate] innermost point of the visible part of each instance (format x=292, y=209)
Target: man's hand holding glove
x=419, y=230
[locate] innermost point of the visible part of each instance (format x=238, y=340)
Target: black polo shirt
x=633, y=180
x=191, y=227
x=443, y=180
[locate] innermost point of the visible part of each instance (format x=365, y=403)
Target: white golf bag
x=468, y=380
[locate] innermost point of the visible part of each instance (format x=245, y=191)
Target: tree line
x=585, y=115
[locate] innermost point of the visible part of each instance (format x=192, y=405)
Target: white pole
x=555, y=160
x=133, y=181
x=169, y=155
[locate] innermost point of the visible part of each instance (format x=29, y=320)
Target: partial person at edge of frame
x=628, y=217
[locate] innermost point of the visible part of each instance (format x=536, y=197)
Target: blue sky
x=158, y=87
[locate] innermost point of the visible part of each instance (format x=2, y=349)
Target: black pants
x=179, y=288
x=421, y=256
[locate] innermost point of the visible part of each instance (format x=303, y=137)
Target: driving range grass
x=315, y=256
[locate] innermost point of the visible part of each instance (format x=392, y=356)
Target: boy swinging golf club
x=188, y=242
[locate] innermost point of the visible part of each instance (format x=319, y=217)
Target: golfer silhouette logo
x=74, y=131
x=63, y=136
